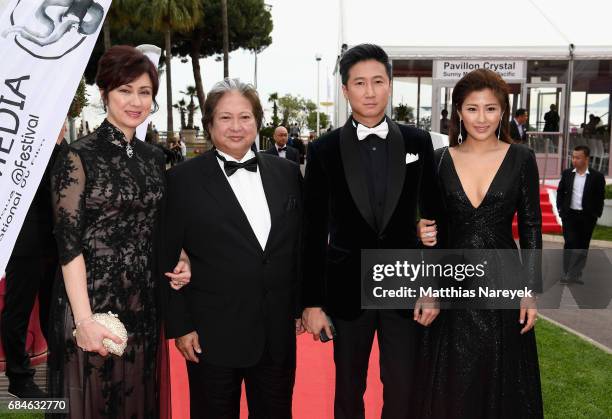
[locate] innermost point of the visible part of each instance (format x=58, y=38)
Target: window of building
x=412, y=92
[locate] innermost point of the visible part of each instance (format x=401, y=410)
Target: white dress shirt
x=283, y=153
x=578, y=189
x=249, y=191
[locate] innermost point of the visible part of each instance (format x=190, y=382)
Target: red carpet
x=549, y=220
x=313, y=395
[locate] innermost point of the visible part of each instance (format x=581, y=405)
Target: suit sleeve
x=430, y=201
x=298, y=250
x=177, y=318
x=315, y=231
x=296, y=156
x=530, y=222
x=600, y=194
x=561, y=194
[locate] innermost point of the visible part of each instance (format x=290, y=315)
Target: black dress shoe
x=577, y=281
x=564, y=281
x=26, y=390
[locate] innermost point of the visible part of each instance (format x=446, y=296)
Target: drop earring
x=460, y=137
x=500, y=125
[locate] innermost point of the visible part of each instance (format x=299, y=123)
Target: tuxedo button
x=266, y=261
x=382, y=237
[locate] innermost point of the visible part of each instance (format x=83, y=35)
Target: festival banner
x=45, y=45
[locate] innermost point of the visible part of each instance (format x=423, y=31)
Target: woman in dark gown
x=108, y=189
x=483, y=362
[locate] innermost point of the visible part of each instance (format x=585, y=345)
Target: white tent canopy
x=480, y=28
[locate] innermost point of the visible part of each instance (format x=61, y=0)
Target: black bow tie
x=282, y=149
x=230, y=166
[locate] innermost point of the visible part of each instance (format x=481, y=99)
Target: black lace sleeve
x=530, y=222
x=67, y=188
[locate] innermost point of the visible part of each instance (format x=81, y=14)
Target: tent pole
x=567, y=110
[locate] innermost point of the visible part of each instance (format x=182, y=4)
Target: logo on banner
x=57, y=27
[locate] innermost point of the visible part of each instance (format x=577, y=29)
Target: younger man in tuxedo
x=363, y=185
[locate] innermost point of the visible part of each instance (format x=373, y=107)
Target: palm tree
x=120, y=13
x=168, y=16
x=190, y=91
x=181, y=106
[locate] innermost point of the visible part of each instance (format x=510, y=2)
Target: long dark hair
x=476, y=81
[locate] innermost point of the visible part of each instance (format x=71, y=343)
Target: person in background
x=183, y=148
x=280, y=147
x=444, y=122
x=551, y=119
x=296, y=142
x=518, y=131
x=580, y=199
x=31, y=270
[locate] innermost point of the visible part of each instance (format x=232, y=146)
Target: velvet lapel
x=354, y=172
x=273, y=196
x=396, y=171
x=218, y=187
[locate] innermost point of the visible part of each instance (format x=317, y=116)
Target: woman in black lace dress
x=484, y=362
x=108, y=189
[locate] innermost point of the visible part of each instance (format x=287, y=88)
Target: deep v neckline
x=499, y=169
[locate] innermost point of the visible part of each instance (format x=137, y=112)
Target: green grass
x=599, y=233
x=602, y=233
x=575, y=375
x=12, y=415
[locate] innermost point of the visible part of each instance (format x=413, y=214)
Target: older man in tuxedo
x=233, y=211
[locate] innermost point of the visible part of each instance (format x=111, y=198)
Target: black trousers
x=577, y=231
x=26, y=276
x=214, y=391
x=399, y=339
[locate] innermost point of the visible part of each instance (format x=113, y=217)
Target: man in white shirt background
x=580, y=197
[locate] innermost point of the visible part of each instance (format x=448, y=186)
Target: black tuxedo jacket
x=592, y=197
x=241, y=299
x=292, y=153
x=338, y=217
x=514, y=133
